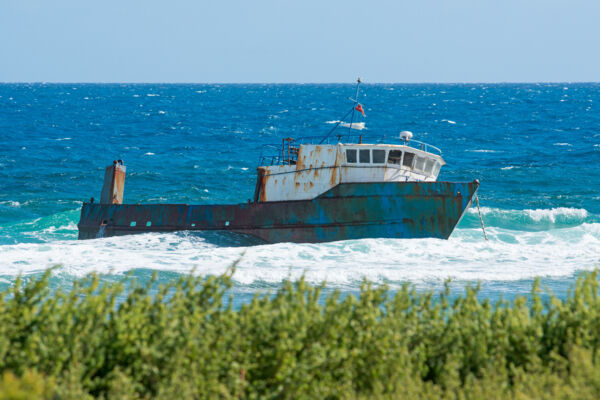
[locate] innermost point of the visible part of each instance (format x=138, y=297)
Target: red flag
x=360, y=109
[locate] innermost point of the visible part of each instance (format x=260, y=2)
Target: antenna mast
x=355, y=99
x=351, y=111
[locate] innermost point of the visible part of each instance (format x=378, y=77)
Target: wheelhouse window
x=408, y=159
x=351, y=156
x=429, y=166
x=436, y=169
x=365, y=156
x=395, y=157
x=420, y=163
x=378, y=156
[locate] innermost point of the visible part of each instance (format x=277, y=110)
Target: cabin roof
x=281, y=154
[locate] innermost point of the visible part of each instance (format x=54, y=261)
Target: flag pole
x=351, y=111
x=354, y=106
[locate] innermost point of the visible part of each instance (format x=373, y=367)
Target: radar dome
x=406, y=135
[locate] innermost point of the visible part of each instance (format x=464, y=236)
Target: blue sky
x=299, y=41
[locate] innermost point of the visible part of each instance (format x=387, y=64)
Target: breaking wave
x=61, y=226
x=523, y=244
x=531, y=219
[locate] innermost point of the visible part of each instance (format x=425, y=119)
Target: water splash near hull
x=509, y=256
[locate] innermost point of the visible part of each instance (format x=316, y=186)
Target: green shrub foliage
x=184, y=340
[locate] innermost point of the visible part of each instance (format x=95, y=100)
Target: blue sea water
x=534, y=147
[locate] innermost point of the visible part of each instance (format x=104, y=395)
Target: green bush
x=184, y=340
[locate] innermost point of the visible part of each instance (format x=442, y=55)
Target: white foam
x=449, y=121
x=148, y=154
x=552, y=214
x=482, y=151
x=536, y=215
x=507, y=168
x=71, y=226
x=52, y=233
x=508, y=256
x=563, y=144
x=162, y=112
x=11, y=203
x=230, y=167
x=355, y=125
x=152, y=95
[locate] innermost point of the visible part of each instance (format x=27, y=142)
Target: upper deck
x=287, y=151
x=304, y=168
x=301, y=170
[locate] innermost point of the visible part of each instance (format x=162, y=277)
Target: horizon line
x=291, y=83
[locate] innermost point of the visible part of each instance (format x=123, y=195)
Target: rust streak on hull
x=347, y=211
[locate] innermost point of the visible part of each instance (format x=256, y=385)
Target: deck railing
x=280, y=154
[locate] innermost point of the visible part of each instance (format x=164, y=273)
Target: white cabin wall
x=315, y=173
x=396, y=174
x=321, y=167
x=382, y=173
x=362, y=173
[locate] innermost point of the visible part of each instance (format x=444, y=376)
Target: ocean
x=535, y=148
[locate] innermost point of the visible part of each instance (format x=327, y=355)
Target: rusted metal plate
x=315, y=172
x=114, y=184
x=118, y=184
x=347, y=211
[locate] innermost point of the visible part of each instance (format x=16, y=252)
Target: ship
x=344, y=185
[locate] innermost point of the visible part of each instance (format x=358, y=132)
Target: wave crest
x=507, y=256
x=530, y=219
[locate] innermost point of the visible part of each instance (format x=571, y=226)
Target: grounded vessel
x=341, y=186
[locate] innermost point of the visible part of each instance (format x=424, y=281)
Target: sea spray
x=508, y=256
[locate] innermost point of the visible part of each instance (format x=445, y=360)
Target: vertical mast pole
x=354, y=106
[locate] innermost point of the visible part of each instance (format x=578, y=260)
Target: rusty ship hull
x=346, y=211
